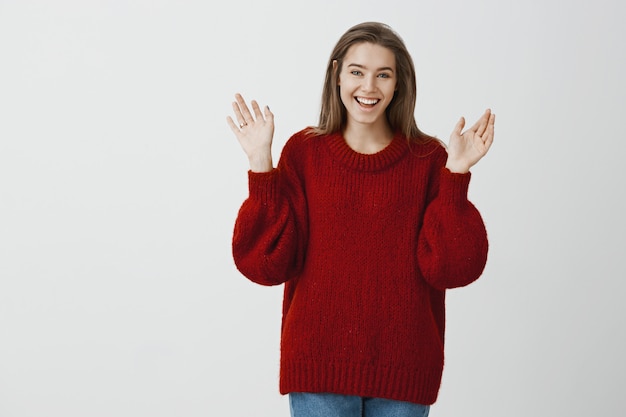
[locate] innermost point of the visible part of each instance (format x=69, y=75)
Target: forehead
x=370, y=55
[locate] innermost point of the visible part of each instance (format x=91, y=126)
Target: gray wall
x=120, y=181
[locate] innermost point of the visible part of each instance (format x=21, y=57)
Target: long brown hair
x=400, y=112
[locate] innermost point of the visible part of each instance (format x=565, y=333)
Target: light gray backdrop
x=120, y=182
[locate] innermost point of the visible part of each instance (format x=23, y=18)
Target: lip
x=366, y=109
x=367, y=101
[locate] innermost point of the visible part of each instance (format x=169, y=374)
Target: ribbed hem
x=263, y=185
x=453, y=187
x=346, y=378
x=367, y=162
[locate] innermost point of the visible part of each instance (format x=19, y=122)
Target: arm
x=269, y=234
x=453, y=246
x=268, y=238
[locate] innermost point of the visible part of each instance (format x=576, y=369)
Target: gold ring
x=242, y=125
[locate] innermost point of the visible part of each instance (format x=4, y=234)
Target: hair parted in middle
x=400, y=112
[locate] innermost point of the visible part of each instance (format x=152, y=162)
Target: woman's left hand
x=467, y=148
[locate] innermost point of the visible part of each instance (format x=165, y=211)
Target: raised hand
x=467, y=148
x=254, y=133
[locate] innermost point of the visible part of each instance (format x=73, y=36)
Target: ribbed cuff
x=263, y=186
x=453, y=187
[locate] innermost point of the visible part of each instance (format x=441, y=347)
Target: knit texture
x=366, y=246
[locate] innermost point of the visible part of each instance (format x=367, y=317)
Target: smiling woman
x=360, y=330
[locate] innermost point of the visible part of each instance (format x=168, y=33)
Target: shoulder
x=429, y=148
x=299, y=150
x=301, y=140
x=303, y=136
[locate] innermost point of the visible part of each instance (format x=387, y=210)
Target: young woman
x=366, y=221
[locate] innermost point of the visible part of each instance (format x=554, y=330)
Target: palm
x=256, y=136
x=466, y=148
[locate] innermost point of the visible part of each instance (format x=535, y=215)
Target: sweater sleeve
x=452, y=245
x=270, y=231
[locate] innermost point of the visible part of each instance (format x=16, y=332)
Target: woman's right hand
x=254, y=133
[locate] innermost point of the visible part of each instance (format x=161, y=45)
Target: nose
x=369, y=83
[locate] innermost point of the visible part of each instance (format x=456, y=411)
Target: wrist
x=261, y=163
x=457, y=167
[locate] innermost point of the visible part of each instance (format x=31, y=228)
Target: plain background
x=120, y=182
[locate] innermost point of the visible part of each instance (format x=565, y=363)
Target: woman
x=367, y=223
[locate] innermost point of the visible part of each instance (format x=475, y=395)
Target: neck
x=367, y=139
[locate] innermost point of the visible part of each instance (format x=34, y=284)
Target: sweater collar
x=380, y=160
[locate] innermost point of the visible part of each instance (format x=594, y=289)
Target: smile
x=367, y=101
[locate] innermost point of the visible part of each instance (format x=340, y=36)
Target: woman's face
x=367, y=82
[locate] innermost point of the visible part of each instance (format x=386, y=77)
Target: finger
x=490, y=131
x=257, y=110
x=269, y=116
x=489, y=126
x=481, y=123
x=485, y=119
x=238, y=114
x=232, y=125
x=459, y=126
x=245, y=111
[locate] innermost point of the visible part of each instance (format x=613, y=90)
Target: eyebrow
x=364, y=67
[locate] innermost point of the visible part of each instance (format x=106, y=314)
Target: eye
x=356, y=72
x=384, y=75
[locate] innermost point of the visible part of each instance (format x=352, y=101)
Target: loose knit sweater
x=366, y=245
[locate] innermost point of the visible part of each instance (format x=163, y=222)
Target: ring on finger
x=242, y=125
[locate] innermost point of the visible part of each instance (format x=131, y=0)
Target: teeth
x=366, y=100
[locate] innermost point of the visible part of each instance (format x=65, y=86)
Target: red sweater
x=366, y=246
